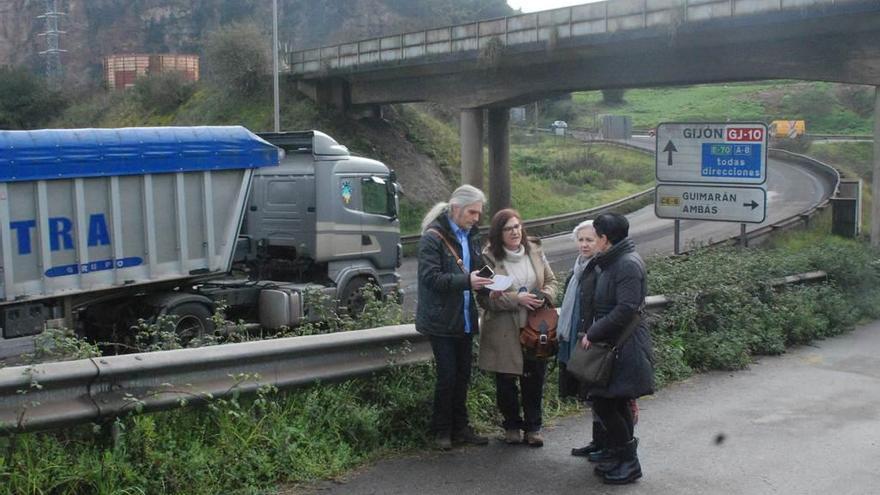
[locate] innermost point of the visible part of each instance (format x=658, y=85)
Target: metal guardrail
x=56, y=395
x=855, y=137
x=548, y=26
x=801, y=219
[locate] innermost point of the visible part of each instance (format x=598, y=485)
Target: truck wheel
x=352, y=299
x=193, y=321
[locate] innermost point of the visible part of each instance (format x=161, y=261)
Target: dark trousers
x=508, y=397
x=452, y=356
x=616, y=416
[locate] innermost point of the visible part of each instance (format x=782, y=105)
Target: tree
x=237, y=59
x=613, y=96
x=26, y=102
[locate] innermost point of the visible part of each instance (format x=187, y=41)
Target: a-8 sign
x=718, y=153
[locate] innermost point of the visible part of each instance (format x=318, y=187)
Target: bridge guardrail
x=549, y=26
x=56, y=395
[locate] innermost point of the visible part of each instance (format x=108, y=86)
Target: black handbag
x=593, y=366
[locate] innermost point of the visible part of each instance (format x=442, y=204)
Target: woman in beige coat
x=509, y=252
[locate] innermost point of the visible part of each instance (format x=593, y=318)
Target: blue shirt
x=462, y=236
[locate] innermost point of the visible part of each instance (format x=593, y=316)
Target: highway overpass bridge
x=485, y=67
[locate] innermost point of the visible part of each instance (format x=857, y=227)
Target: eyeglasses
x=511, y=228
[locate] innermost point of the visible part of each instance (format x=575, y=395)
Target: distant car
x=559, y=124
x=652, y=132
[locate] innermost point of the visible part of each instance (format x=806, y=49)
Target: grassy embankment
x=826, y=107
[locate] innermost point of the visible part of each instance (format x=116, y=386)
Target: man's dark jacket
x=442, y=283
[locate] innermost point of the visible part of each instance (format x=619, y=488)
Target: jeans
x=508, y=397
x=452, y=357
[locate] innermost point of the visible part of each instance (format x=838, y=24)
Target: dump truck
x=102, y=227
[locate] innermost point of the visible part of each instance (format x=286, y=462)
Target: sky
x=536, y=5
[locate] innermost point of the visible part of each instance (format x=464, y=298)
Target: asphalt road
x=791, y=189
x=807, y=422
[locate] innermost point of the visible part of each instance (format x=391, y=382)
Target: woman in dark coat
x=619, y=297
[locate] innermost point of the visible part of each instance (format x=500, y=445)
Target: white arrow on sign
x=742, y=204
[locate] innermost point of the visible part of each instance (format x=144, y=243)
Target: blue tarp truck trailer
x=100, y=227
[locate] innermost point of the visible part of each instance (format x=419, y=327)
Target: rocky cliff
x=95, y=28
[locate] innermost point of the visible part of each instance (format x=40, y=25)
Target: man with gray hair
x=449, y=262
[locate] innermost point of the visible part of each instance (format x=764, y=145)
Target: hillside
x=96, y=28
x=826, y=107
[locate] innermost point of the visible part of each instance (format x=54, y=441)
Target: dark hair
x=614, y=226
x=496, y=232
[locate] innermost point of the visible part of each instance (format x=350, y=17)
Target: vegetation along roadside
x=254, y=444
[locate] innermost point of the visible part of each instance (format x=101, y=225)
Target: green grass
x=552, y=175
x=826, y=107
x=853, y=160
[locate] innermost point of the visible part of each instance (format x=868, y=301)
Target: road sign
x=718, y=153
x=744, y=204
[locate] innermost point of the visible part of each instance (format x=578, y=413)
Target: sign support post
x=677, y=237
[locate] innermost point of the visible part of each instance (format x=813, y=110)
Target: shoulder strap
x=637, y=318
x=443, y=238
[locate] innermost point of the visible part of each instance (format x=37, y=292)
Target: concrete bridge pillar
x=499, y=159
x=471, y=132
x=875, y=184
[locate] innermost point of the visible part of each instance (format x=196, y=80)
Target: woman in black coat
x=618, y=299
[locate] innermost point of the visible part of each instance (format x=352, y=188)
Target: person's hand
x=529, y=300
x=585, y=343
x=478, y=282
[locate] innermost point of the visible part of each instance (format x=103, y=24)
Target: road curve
x=791, y=189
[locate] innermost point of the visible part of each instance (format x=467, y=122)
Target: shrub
x=613, y=96
x=162, y=93
x=237, y=59
x=26, y=102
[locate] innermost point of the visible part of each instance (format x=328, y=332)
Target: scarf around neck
x=571, y=301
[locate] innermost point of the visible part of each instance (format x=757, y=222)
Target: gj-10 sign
x=719, y=153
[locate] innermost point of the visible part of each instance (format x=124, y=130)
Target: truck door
x=381, y=227
x=340, y=207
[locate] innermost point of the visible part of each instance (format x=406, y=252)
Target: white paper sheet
x=500, y=282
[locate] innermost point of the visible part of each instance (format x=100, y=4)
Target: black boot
x=594, y=446
x=600, y=456
x=628, y=469
x=611, y=458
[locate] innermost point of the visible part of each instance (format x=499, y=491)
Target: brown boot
x=534, y=439
x=512, y=437
x=469, y=436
